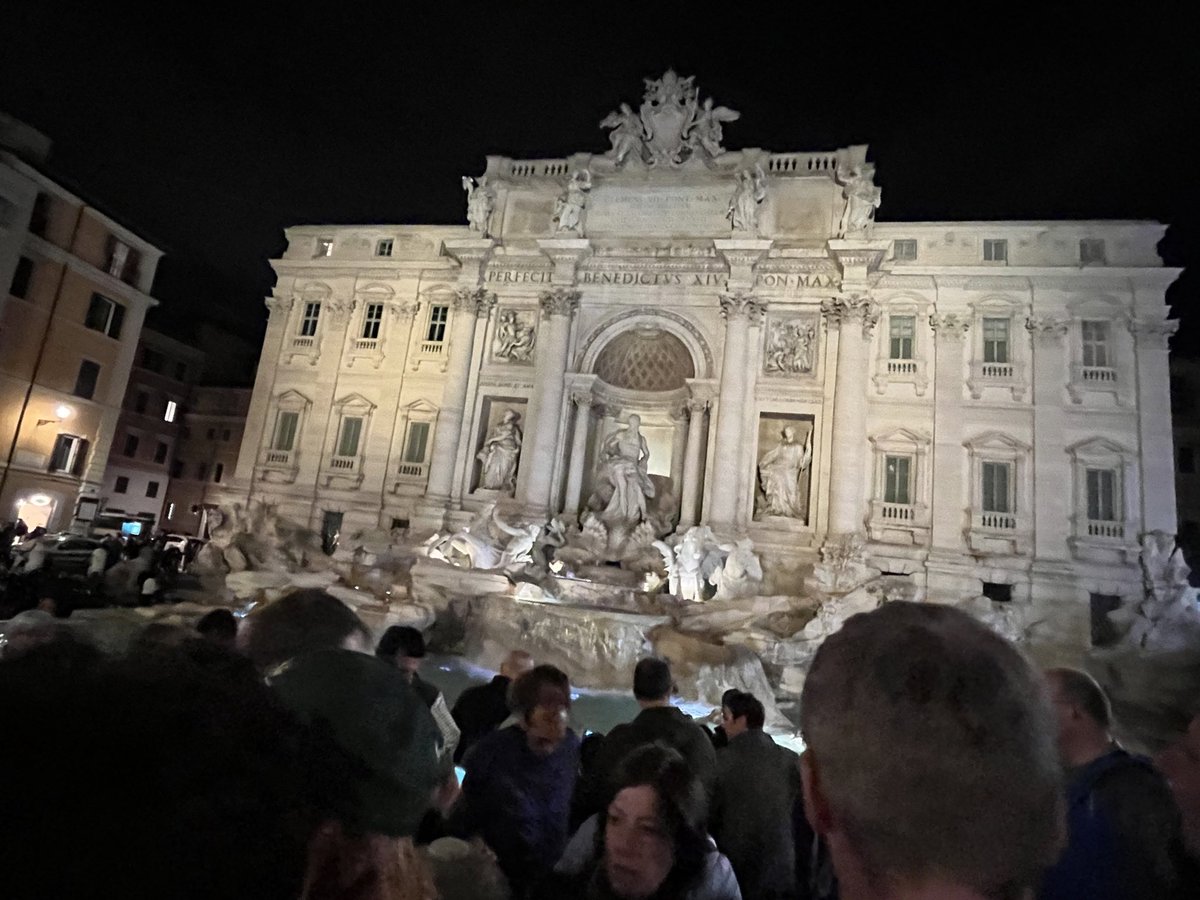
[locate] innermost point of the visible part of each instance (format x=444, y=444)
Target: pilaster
x=1051, y=496
x=1151, y=335
x=948, y=502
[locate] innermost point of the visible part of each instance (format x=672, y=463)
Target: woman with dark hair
x=650, y=842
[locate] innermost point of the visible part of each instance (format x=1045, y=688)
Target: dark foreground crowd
x=289, y=758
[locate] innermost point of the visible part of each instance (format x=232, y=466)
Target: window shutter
x=81, y=455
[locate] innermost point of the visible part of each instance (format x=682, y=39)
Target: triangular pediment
x=355, y=402
x=1097, y=447
x=996, y=440
x=900, y=435
x=292, y=398
x=421, y=406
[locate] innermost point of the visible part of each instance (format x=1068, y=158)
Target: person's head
x=652, y=680
x=653, y=836
x=403, y=647
x=635, y=422
x=27, y=630
x=742, y=712
x=789, y=434
x=516, y=664
x=299, y=623
x=206, y=773
x=542, y=699
x=931, y=756
x=1180, y=763
x=219, y=625
x=1083, y=712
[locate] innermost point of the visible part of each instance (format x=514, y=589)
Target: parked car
x=65, y=552
x=187, y=545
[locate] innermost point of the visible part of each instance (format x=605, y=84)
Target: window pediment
x=1098, y=448
x=900, y=439
x=996, y=442
x=354, y=403
x=292, y=400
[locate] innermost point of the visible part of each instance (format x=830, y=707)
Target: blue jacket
x=1111, y=850
x=519, y=802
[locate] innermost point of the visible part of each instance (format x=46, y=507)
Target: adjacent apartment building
x=77, y=290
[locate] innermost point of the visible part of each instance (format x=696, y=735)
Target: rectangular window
x=68, y=453
x=169, y=412
x=384, y=247
x=1187, y=461
x=995, y=250
x=901, y=330
x=201, y=471
x=121, y=485
x=170, y=511
x=438, y=317
x=897, y=473
x=152, y=360
x=997, y=480
x=225, y=433
x=418, y=438
x=140, y=402
x=152, y=489
x=212, y=434
x=905, y=249
x=1095, y=344
x=40, y=216
x=348, y=439
x=131, y=445
x=308, y=324
x=177, y=468
x=324, y=247
x=219, y=472
x=285, y=430
x=85, y=381
x=21, y=277
x=995, y=340
x=1102, y=495
x=160, y=452
x=105, y=316
x=1091, y=250
x=371, y=321
x=118, y=258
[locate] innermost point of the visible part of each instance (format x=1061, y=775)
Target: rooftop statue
x=751, y=190
x=480, y=199
x=568, y=209
x=862, y=198
x=670, y=127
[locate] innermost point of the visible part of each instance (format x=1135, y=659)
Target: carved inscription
x=616, y=209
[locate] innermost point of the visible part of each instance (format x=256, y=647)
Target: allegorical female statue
x=624, y=465
x=500, y=453
x=779, y=475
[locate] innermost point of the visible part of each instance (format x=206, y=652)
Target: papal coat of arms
x=670, y=127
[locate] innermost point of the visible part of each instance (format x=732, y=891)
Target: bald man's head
x=516, y=664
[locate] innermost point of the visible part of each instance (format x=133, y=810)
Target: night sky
x=212, y=132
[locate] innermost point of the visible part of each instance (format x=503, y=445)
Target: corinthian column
x=469, y=307
x=854, y=318
x=583, y=400
x=545, y=407
x=738, y=309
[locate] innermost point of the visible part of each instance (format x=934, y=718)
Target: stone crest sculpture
x=568, y=209
x=751, y=190
x=862, y=198
x=670, y=127
x=514, y=337
x=779, y=473
x=500, y=454
x=480, y=200
x=791, y=347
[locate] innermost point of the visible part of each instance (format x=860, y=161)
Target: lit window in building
x=169, y=414
x=438, y=317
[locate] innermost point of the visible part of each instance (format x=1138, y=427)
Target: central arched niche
x=646, y=360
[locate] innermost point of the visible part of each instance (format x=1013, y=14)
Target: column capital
x=740, y=304
x=695, y=406
x=339, y=308
x=1153, y=332
x=848, y=309
x=275, y=304
x=477, y=300
x=559, y=302
x=1047, y=329
x=405, y=309
x=582, y=398
x=950, y=326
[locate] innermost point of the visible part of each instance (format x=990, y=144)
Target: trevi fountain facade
x=679, y=398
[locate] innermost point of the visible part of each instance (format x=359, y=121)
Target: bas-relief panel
x=790, y=346
x=515, y=336
x=783, y=471
x=498, y=445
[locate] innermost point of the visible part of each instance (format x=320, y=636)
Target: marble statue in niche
x=622, y=476
x=500, y=454
x=779, y=476
x=791, y=347
x=480, y=200
x=862, y=198
x=514, y=337
x=568, y=209
x=751, y=190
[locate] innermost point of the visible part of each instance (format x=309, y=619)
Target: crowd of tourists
x=288, y=755
x=118, y=570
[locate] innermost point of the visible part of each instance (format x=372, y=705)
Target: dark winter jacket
x=757, y=785
x=1121, y=823
x=479, y=711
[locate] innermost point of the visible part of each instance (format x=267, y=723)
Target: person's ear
x=816, y=807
